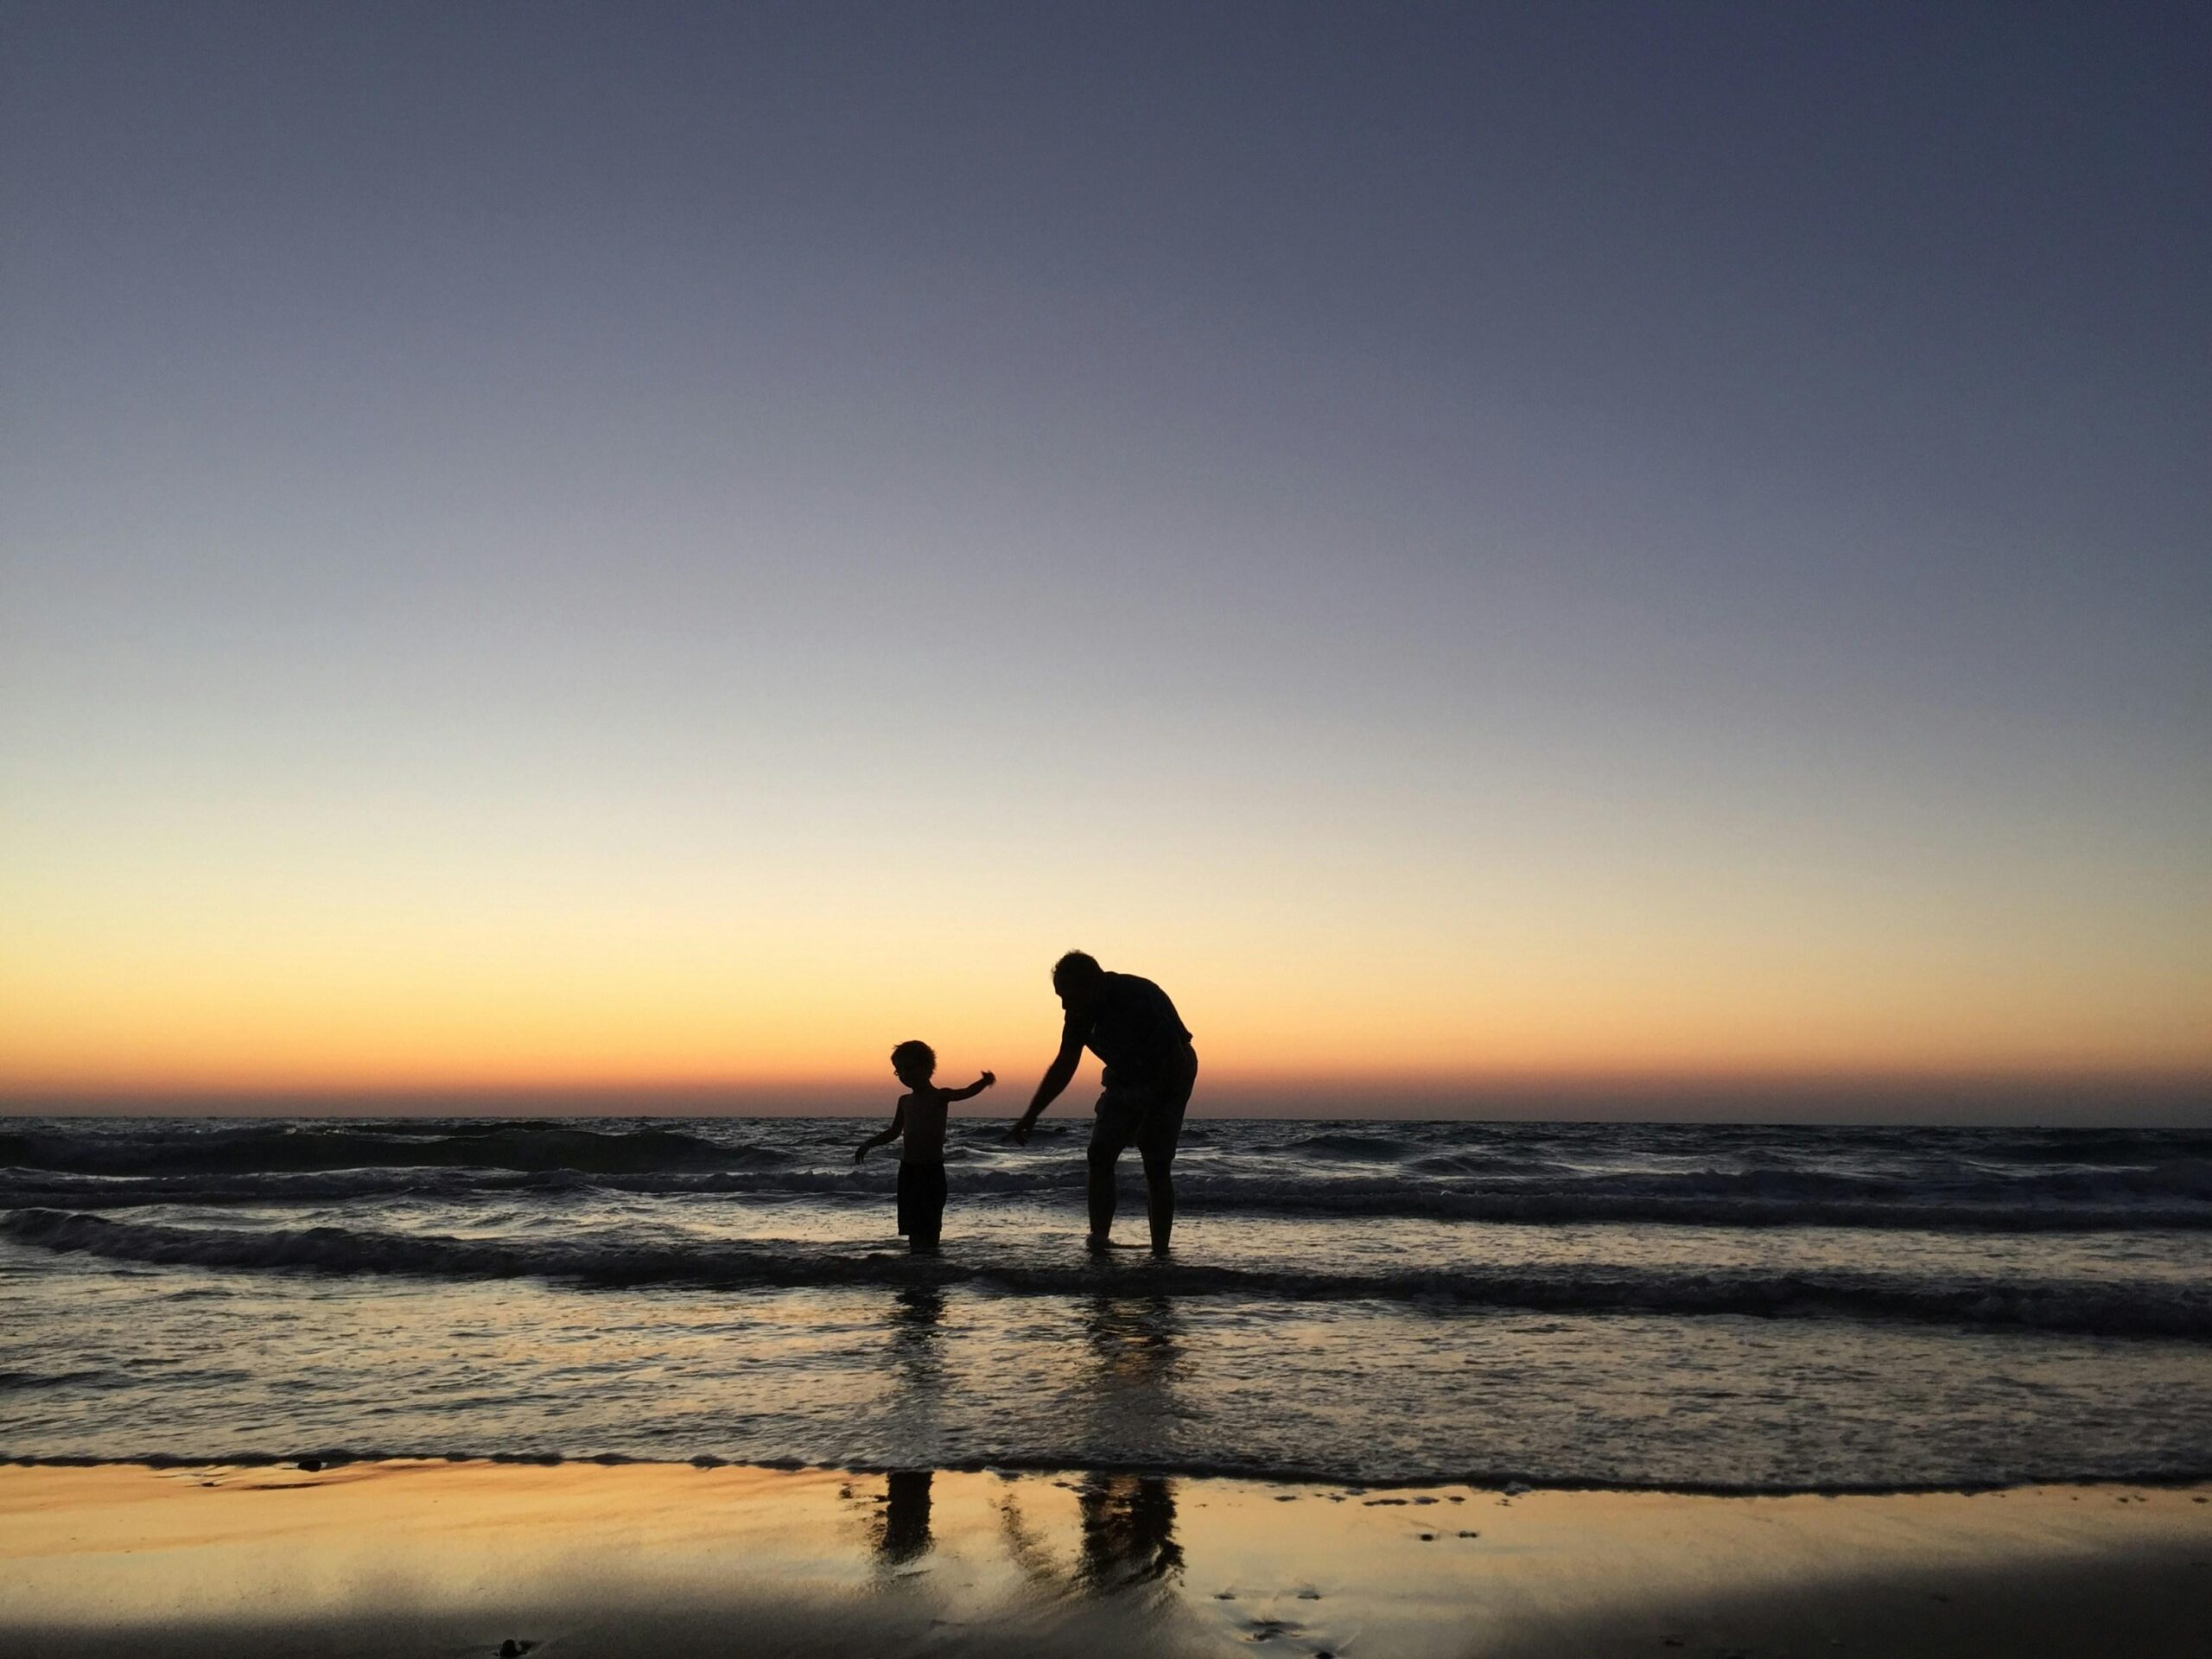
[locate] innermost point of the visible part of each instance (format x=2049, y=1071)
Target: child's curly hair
x=918, y=1057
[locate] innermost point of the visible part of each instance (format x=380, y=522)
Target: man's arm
x=972, y=1090
x=1056, y=1077
x=898, y=1127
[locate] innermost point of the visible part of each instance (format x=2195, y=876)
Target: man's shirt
x=1135, y=1029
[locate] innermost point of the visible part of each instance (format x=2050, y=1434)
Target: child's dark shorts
x=921, y=1201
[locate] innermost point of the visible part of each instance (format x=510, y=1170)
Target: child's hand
x=990, y=1077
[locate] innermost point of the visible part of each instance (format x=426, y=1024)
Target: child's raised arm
x=973, y=1088
x=898, y=1127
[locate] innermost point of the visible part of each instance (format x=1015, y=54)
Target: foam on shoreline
x=1505, y=1484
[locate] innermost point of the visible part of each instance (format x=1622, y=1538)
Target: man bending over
x=1151, y=1069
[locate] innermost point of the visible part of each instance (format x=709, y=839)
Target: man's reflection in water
x=1128, y=1520
x=905, y=1515
x=1129, y=1532
x=1136, y=1356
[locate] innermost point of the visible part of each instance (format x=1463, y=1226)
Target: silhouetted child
x=920, y=1118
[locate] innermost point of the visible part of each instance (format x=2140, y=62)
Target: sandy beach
x=460, y=1558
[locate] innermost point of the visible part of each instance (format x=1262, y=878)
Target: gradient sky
x=585, y=545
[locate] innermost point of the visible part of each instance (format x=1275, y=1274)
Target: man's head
x=1078, y=979
x=915, y=1063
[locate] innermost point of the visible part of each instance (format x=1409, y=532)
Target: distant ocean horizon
x=2147, y=1100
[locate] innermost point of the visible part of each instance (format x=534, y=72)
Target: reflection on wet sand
x=209, y=1561
x=905, y=1524
x=1129, y=1532
x=901, y=1529
x=1125, y=1536
x=1126, y=1520
x=1129, y=1519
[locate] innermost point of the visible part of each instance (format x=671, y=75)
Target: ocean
x=1690, y=1307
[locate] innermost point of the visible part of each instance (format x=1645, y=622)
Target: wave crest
x=2089, y=1307
x=291, y=1149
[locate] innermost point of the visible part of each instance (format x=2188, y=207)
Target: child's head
x=914, y=1063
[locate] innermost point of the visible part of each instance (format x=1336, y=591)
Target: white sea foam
x=2163, y=1310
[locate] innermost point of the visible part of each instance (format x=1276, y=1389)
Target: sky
x=1523, y=548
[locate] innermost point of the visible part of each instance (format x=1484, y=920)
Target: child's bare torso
x=923, y=1139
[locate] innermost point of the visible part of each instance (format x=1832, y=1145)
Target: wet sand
x=456, y=1559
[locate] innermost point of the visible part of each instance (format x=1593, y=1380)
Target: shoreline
x=601, y=1558
x=1489, y=1484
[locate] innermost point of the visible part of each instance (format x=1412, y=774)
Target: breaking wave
x=2171, y=1196
x=281, y=1148
x=2077, y=1306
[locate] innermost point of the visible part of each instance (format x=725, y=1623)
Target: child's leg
x=929, y=1208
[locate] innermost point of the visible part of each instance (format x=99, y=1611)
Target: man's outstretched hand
x=1019, y=1132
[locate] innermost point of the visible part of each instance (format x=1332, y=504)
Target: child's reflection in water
x=915, y=1345
x=905, y=1532
x=902, y=1523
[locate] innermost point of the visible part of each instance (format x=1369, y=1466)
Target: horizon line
x=2151, y=1097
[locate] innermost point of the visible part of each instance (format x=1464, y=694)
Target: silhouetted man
x=1151, y=1069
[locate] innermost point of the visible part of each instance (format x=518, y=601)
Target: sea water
x=1716, y=1307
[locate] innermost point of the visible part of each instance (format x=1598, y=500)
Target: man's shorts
x=1150, y=1114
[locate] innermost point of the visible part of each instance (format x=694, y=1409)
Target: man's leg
x=1114, y=1128
x=1157, y=1138
x=1101, y=1194
x=1160, y=1200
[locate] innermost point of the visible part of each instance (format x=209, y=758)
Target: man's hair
x=1077, y=968
x=913, y=1057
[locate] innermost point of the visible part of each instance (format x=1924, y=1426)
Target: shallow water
x=1641, y=1304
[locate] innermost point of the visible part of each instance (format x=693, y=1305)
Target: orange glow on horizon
x=224, y=974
